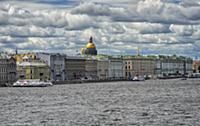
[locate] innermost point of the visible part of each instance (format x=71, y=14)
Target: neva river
x=150, y=103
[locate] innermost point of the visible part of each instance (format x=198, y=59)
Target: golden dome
x=90, y=46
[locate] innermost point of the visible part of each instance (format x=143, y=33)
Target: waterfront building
x=91, y=68
x=90, y=48
x=139, y=66
x=196, y=66
x=115, y=68
x=188, y=66
x=75, y=68
x=158, y=68
x=8, y=69
x=173, y=66
x=102, y=69
x=56, y=62
x=170, y=67
x=33, y=70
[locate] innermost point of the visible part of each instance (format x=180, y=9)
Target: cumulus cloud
x=158, y=11
x=92, y=9
x=190, y=3
x=185, y=30
x=156, y=26
x=149, y=28
x=155, y=11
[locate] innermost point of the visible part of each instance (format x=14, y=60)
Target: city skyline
x=155, y=26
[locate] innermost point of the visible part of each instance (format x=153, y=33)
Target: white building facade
x=56, y=62
x=91, y=68
x=102, y=69
x=173, y=67
x=115, y=68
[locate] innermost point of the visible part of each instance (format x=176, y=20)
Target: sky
x=118, y=27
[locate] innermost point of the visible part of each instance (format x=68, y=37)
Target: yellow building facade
x=196, y=66
x=33, y=70
x=20, y=57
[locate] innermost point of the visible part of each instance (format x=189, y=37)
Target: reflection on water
x=154, y=102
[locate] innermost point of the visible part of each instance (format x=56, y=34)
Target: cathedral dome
x=90, y=44
x=90, y=48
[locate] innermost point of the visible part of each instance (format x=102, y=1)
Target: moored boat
x=138, y=78
x=32, y=83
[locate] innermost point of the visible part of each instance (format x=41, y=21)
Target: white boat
x=32, y=83
x=138, y=78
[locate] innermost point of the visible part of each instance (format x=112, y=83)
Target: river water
x=151, y=103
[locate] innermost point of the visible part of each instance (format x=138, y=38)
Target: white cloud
x=91, y=9
x=149, y=28
x=189, y=3
x=159, y=26
x=184, y=30
x=158, y=11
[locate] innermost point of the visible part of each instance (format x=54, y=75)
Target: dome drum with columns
x=90, y=48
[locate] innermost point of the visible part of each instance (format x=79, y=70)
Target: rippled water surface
x=153, y=102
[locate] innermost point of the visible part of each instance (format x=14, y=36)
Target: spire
x=138, y=51
x=91, y=40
